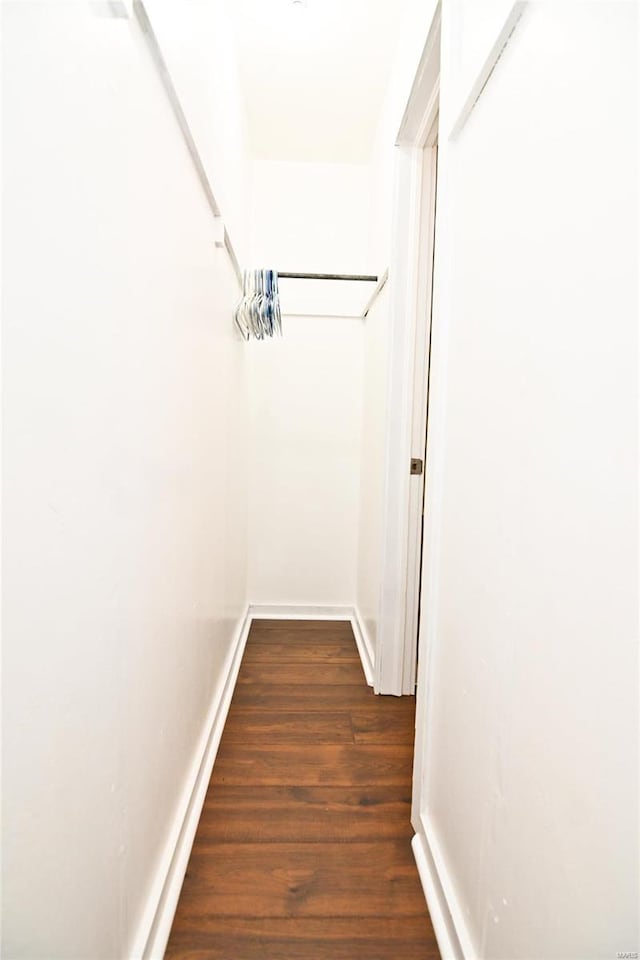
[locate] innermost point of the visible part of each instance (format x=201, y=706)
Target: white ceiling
x=314, y=79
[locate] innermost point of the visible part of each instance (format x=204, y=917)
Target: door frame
x=411, y=282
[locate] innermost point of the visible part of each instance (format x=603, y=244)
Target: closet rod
x=327, y=276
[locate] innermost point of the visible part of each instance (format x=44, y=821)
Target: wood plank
x=302, y=673
x=211, y=924
x=229, y=947
x=295, y=626
x=309, y=879
x=302, y=938
x=268, y=726
x=309, y=814
x=303, y=847
x=300, y=631
x=336, y=765
x=281, y=651
x=370, y=726
x=287, y=697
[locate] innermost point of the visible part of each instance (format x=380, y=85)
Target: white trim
x=459, y=927
x=364, y=645
x=398, y=441
x=422, y=105
x=154, y=928
x=434, y=468
x=282, y=611
x=140, y=13
x=151, y=938
x=440, y=891
x=419, y=407
x=298, y=611
x=121, y=9
x=443, y=926
x=488, y=66
x=395, y=666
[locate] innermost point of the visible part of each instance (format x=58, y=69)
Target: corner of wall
x=433, y=888
x=153, y=931
x=365, y=647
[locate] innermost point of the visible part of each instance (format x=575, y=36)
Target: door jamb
x=400, y=591
x=420, y=406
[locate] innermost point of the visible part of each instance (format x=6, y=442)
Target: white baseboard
x=277, y=611
x=155, y=926
x=447, y=918
x=297, y=611
x=364, y=645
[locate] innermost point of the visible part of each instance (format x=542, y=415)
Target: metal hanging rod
x=327, y=276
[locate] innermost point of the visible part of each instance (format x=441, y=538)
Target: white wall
x=313, y=218
x=328, y=65
x=198, y=47
x=372, y=474
x=382, y=173
x=412, y=35
x=531, y=733
x=124, y=485
x=304, y=462
x=306, y=390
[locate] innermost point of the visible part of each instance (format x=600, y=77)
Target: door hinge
x=416, y=466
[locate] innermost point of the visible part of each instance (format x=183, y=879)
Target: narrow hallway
x=303, y=848
x=320, y=376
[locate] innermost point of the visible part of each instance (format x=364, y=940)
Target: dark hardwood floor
x=303, y=848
